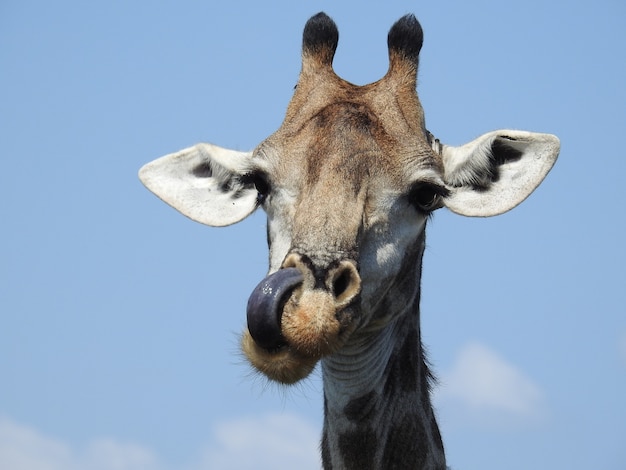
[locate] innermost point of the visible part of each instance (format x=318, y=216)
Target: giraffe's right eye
x=261, y=184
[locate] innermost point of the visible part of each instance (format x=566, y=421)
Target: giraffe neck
x=377, y=409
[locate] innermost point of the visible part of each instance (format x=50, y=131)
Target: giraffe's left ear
x=495, y=172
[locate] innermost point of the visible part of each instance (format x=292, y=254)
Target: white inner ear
x=469, y=165
x=204, y=183
x=485, y=183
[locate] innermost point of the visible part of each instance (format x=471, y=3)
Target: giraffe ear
x=497, y=171
x=208, y=184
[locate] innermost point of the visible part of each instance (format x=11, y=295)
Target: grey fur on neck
x=377, y=408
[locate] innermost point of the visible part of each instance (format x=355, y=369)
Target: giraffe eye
x=427, y=197
x=261, y=184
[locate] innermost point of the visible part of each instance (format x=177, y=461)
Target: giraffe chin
x=284, y=365
x=311, y=327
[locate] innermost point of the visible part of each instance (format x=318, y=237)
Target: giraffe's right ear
x=206, y=183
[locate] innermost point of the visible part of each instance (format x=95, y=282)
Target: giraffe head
x=348, y=182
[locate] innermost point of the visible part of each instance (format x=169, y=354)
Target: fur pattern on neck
x=377, y=409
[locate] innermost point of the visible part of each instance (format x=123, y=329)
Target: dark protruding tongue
x=265, y=306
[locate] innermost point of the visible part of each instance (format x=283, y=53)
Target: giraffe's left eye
x=427, y=197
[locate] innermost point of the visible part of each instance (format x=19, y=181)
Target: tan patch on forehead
x=344, y=144
x=329, y=116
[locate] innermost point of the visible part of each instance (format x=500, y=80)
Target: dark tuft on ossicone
x=320, y=37
x=406, y=38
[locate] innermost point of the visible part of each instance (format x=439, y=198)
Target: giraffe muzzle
x=297, y=315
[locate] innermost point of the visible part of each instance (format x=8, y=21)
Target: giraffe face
x=347, y=182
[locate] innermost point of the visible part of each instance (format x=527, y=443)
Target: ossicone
x=320, y=38
x=405, y=42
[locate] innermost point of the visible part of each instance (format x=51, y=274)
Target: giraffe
x=348, y=183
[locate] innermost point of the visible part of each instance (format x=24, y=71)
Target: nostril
x=341, y=283
x=345, y=283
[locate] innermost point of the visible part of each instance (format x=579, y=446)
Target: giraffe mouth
x=290, y=327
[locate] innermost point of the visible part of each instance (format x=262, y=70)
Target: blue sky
x=119, y=317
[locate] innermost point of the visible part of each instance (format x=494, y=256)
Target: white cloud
x=274, y=442
x=24, y=448
x=108, y=454
x=484, y=387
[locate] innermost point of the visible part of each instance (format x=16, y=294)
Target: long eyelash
x=441, y=191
